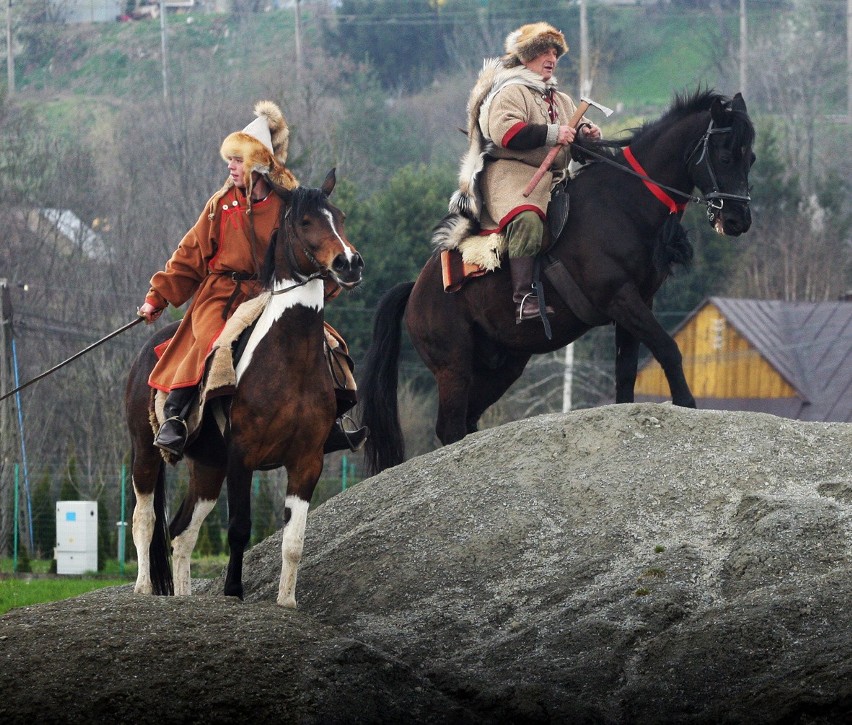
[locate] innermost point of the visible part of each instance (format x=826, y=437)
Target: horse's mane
x=685, y=104
x=297, y=203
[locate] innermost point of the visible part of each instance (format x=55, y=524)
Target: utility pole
x=7, y=423
x=163, y=50
x=10, y=56
x=568, y=379
x=848, y=61
x=743, y=47
x=298, y=10
x=585, y=79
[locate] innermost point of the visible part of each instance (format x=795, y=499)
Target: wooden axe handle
x=573, y=122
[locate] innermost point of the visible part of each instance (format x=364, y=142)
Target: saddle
x=219, y=381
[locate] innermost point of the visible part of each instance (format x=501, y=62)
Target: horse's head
x=720, y=163
x=311, y=235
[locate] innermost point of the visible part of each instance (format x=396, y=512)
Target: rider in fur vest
x=515, y=115
x=217, y=264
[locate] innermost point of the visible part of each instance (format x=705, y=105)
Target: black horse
x=616, y=249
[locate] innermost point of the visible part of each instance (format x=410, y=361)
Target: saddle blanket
x=475, y=256
x=220, y=377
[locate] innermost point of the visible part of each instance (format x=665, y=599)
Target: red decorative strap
x=670, y=203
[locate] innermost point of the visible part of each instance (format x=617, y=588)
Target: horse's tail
x=161, y=568
x=385, y=446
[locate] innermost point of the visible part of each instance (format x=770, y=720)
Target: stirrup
x=548, y=310
x=341, y=439
x=175, y=443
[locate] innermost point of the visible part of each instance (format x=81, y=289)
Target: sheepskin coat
x=506, y=172
x=492, y=177
x=217, y=245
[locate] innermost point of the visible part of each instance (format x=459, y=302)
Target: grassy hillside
x=118, y=62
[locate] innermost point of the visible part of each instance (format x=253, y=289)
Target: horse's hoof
x=289, y=602
x=234, y=592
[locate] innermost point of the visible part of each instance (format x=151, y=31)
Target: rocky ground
x=632, y=563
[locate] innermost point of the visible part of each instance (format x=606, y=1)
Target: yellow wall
x=717, y=362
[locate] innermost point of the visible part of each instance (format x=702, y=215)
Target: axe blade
x=603, y=109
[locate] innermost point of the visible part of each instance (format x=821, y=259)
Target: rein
x=658, y=189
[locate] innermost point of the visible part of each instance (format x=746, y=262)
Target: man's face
x=544, y=64
x=235, y=169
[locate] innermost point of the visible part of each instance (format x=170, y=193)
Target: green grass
x=675, y=57
x=40, y=586
x=23, y=591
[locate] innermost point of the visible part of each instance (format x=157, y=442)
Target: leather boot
x=523, y=295
x=341, y=439
x=172, y=434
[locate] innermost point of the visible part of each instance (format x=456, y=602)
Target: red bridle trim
x=670, y=203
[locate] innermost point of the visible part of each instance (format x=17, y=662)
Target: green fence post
x=122, y=524
x=343, y=471
x=15, y=526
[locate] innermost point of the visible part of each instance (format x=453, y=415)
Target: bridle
x=715, y=200
x=319, y=272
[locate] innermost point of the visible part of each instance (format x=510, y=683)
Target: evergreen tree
x=106, y=535
x=44, y=517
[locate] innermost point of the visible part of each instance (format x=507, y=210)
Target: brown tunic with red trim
x=512, y=111
x=201, y=268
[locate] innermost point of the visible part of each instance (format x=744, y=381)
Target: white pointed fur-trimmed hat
x=529, y=41
x=262, y=145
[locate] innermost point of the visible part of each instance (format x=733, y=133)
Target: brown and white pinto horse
x=280, y=415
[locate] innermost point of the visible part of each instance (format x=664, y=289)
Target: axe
x=573, y=122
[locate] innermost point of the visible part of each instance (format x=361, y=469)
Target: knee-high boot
x=523, y=294
x=172, y=434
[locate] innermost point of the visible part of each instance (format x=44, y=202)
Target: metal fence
x=29, y=494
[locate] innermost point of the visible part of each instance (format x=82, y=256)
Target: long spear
x=72, y=358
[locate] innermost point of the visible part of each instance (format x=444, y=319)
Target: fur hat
x=529, y=41
x=262, y=145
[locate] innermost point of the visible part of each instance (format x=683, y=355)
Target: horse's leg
x=629, y=310
x=205, y=482
x=488, y=386
x=453, y=395
x=239, y=525
x=626, y=364
x=301, y=481
x=144, y=477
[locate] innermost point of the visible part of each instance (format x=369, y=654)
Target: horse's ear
x=718, y=109
x=738, y=103
x=328, y=184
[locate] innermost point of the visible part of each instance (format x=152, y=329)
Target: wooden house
x=792, y=359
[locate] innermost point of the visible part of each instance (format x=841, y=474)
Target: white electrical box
x=76, y=537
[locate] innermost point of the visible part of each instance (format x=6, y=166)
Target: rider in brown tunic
x=217, y=265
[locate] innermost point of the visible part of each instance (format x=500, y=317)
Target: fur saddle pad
x=475, y=256
x=220, y=377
